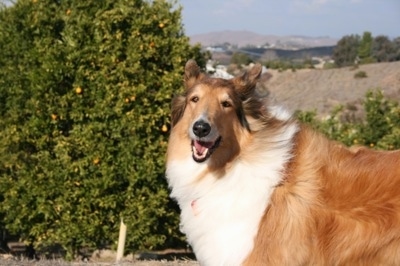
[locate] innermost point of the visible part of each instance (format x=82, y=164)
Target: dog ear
x=177, y=108
x=246, y=83
x=192, y=73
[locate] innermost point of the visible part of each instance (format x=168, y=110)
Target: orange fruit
x=164, y=128
x=53, y=116
x=78, y=90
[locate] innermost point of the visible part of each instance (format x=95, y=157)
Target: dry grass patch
x=322, y=89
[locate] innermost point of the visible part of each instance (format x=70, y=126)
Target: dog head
x=212, y=115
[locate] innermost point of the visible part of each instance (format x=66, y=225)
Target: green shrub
x=293, y=65
x=85, y=89
x=241, y=59
x=360, y=74
x=379, y=129
x=329, y=65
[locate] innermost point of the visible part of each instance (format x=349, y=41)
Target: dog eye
x=226, y=104
x=194, y=99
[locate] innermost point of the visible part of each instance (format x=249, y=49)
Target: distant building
x=215, y=49
x=219, y=71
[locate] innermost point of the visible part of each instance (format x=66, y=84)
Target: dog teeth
x=200, y=152
x=202, y=147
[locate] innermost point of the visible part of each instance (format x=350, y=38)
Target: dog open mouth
x=202, y=150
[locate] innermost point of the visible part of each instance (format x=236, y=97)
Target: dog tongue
x=202, y=146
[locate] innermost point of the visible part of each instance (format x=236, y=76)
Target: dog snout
x=201, y=128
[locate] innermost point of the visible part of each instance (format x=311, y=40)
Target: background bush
x=360, y=74
x=85, y=89
x=365, y=49
x=378, y=129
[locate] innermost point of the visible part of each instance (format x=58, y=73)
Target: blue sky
x=333, y=18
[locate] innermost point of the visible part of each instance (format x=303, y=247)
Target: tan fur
x=335, y=207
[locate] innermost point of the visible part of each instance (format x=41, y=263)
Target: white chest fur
x=220, y=216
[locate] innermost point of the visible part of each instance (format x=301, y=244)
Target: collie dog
x=255, y=187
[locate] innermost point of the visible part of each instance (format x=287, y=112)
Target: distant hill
x=270, y=54
x=309, y=89
x=248, y=38
x=274, y=53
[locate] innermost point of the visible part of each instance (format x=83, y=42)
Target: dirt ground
x=108, y=257
x=12, y=261
x=62, y=263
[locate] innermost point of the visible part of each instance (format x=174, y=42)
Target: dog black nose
x=201, y=128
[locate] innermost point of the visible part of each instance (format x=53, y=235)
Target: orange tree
x=85, y=88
